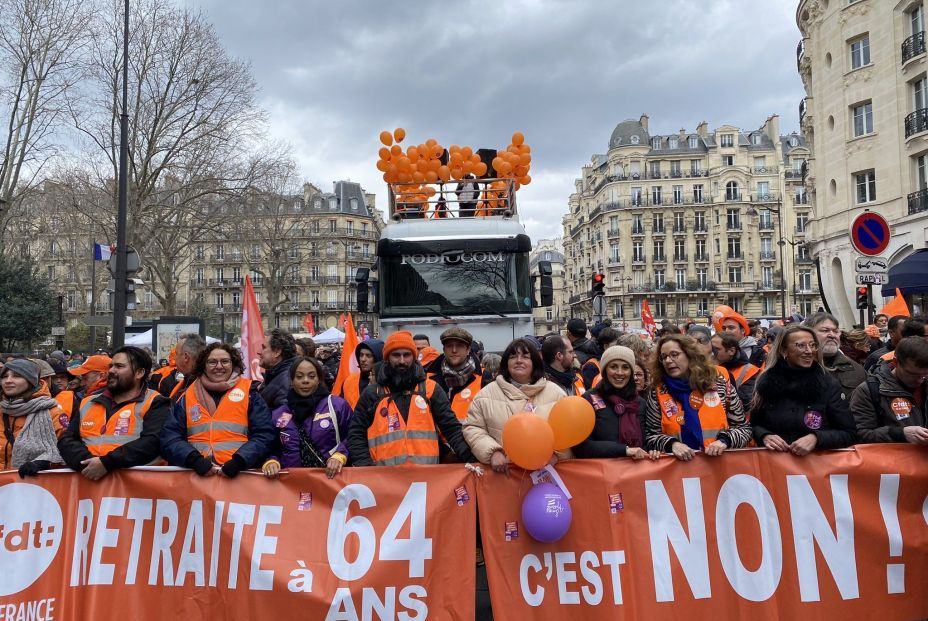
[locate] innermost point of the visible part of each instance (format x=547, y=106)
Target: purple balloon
x=546, y=513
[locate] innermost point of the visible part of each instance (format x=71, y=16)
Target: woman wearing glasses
x=797, y=406
x=691, y=407
x=220, y=425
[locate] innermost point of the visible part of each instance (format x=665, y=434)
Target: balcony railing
x=733, y=226
x=679, y=229
x=637, y=230
x=916, y=122
x=768, y=255
x=800, y=230
x=700, y=258
x=800, y=52
x=659, y=258
x=913, y=46
x=614, y=232
x=735, y=256
x=764, y=170
x=657, y=230
x=731, y=197
x=700, y=229
x=918, y=201
x=802, y=109
x=765, y=225
x=639, y=260
x=800, y=199
x=679, y=258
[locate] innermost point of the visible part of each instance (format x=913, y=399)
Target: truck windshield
x=462, y=283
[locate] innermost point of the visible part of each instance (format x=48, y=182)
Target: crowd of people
x=795, y=389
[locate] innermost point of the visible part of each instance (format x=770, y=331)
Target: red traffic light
x=861, y=291
x=598, y=278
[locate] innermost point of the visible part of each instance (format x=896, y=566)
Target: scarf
x=36, y=439
x=303, y=407
x=565, y=379
x=458, y=378
x=629, y=426
x=204, y=385
x=691, y=429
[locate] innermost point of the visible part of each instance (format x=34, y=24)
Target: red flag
x=309, y=324
x=341, y=320
x=897, y=306
x=348, y=364
x=647, y=319
x=252, y=333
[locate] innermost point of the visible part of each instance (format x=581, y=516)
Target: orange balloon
x=432, y=177
x=386, y=138
x=525, y=159
x=571, y=420
x=518, y=138
x=431, y=142
x=468, y=167
x=434, y=165
x=480, y=169
x=474, y=158
x=396, y=150
x=527, y=179
x=520, y=171
x=382, y=165
x=403, y=177
x=456, y=158
x=524, y=148
x=528, y=441
x=399, y=133
x=444, y=173
x=412, y=153
x=457, y=172
x=436, y=151
x=418, y=177
x=384, y=153
x=497, y=162
x=467, y=152
x=504, y=168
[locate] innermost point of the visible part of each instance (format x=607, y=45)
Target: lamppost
x=119, y=297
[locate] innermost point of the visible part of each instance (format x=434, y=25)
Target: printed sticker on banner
x=696, y=400
x=712, y=399
x=195, y=414
x=306, y=501
x=461, y=496
x=615, y=503
x=420, y=402
x=813, y=419
x=284, y=420
x=465, y=394
x=901, y=408
x=324, y=423
x=393, y=421
x=236, y=395
x=512, y=531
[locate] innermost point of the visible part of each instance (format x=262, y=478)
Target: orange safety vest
x=65, y=400
x=219, y=435
x=578, y=385
x=890, y=355
x=711, y=411
x=599, y=376
x=462, y=400
x=101, y=436
x=396, y=442
x=744, y=373
x=163, y=373
x=351, y=389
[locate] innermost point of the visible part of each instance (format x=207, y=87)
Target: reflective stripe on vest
x=579, y=389
x=223, y=433
x=712, y=418
x=464, y=397
x=744, y=373
x=395, y=442
x=100, y=435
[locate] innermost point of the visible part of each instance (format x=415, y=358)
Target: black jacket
x=139, y=452
x=604, y=439
x=876, y=421
x=440, y=407
x=585, y=349
x=276, y=384
x=797, y=402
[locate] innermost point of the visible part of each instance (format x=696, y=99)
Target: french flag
x=101, y=252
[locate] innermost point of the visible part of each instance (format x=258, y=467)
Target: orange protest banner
x=747, y=535
x=374, y=543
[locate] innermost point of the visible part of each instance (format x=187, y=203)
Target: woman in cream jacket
x=520, y=387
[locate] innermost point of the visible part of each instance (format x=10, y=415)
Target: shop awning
x=910, y=275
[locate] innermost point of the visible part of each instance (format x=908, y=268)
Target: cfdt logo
x=30, y=533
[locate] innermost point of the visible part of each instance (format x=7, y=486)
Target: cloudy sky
x=334, y=74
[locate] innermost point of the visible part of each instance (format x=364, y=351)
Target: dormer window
x=655, y=143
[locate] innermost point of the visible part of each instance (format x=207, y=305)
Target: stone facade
x=551, y=318
x=689, y=221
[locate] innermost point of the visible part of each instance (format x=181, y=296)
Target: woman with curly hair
x=797, y=404
x=220, y=425
x=691, y=407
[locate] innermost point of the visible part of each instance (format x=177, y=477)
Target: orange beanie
x=399, y=340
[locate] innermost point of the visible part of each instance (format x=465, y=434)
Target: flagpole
x=93, y=296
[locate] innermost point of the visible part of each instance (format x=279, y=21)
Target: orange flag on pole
x=252, y=333
x=647, y=319
x=896, y=306
x=309, y=324
x=348, y=364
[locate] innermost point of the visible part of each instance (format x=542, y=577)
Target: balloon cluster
x=420, y=165
x=530, y=441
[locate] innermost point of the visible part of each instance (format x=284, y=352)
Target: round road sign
x=870, y=233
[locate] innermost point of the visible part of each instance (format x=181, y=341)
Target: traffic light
x=863, y=298
x=599, y=285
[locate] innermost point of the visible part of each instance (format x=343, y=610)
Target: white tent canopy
x=332, y=335
x=144, y=339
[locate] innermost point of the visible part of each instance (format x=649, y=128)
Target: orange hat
x=98, y=363
x=736, y=317
x=428, y=355
x=399, y=340
x=872, y=331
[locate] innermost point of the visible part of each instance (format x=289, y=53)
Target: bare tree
x=41, y=53
x=194, y=128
